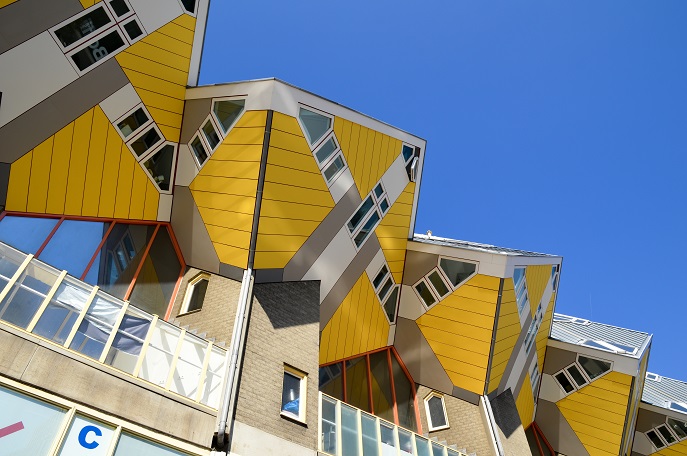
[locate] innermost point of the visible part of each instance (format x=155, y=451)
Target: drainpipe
x=238, y=336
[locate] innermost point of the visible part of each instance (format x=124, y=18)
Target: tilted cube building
x=234, y=269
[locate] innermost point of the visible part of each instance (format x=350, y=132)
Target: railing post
x=144, y=347
x=204, y=372
x=173, y=366
x=46, y=301
x=115, y=327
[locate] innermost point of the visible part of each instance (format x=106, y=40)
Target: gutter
x=240, y=332
x=491, y=423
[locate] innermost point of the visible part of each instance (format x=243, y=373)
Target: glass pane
x=214, y=377
x=667, y=436
x=349, y=431
x=385, y=289
x=73, y=245
x=518, y=275
x=380, y=276
x=316, y=125
x=119, y=7
x=186, y=378
x=437, y=450
x=422, y=446
x=131, y=445
x=35, y=424
x=577, y=375
x=379, y=190
x=425, y=294
x=227, y=112
x=679, y=427
x=331, y=380
x=326, y=150
x=158, y=277
x=388, y=439
x=159, y=167
x=390, y=304
x=132, y=122
x=133, y=30
x=436, y=411
x=382, y=399
x=291, y=394
x=144, y=142
x=408, y=152
x=367, y=228
x=199, y=150
x=160, y=353
x=96, y=326
x=564, y=382
x=127, y=344
x=10, y=260
x=329, y=426
x=369, y=428
x=210, y=134
x=357, y=393
x=116, y=264
x=336, y=166
x=27, y=294
x=26, y=233
x=384, y=205
x=86, y=434
x=83, y=26
x=195, y=301
x=405, y=396
x=97, y=50
x=655, y=439
x=405, y=441
x=438, y=283
x=59, y=316
x=593, y=367
x=360, y=214
x=456, y=271
x=189, y=5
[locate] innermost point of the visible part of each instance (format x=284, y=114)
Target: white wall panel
x=117, y=104
x=332, y=262
x=341, y=185
x=156, y=13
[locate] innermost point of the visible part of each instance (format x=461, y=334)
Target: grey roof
x=659, y=391
x=580, y=332
x=430, y=239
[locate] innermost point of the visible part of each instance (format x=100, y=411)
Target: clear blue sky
x=557, y=126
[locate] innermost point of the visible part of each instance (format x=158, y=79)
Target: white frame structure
x=190, y=287
x=577, y=365
x=303, y=393
x=217, y=126
x=430, y=426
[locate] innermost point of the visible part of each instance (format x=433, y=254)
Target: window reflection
x=80, y=239
x=26, y=233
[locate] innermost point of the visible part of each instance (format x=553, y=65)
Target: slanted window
x=391, y=304
x=581, y=373
x=535, y=376
x=456, y=271
x=614, y=347
x=195, y=293
x=314, y=124
x=655, y=439
x=437, y=282
x=374, y=207
x=360, y=214
x=210, y=134
x=436, y=412
x=198, y=150
x=554, y=276
x=293, y=394
x=577, y=376
x=564, y=382
x=119, y=7
x=160, y=167
x=425, y=294
x=666, y=434
x=133, y=30
x=145, y=141
x=533, y=329
x=189, y=5
x=387, y=292
x=326, y=150
x=227, y=112
x=679, y=406
x=132, y=122
x=334, y=167
x=594, y=368
x=678, y=427
x=520, y=284
x=83, y=26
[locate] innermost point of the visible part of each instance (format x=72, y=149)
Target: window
x=560, y=318
x=293, y=394
x=365, y=219
x=554, y=276
x=668, y=433
x=411, y=157
x=535, y=376
x=211, y=135
x=581, y=373
x=195, y=293
x=132, y=122
x=314, y=124
x=678, y=427
x=520, y=285
x=533, y=329
x=436, y=412
x=198, y=150
x=227, y=112
x=438, y=283
x=679, y=406
x=387, y=292
x=425, y=294
x=654, y=377
x=160, y=167
x=456, y=271
x=593, y=367
x=614, y=347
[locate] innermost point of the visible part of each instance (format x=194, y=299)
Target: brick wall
x=467, y=429
x=216, y=317
x=284, y=328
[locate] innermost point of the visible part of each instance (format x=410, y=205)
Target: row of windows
x=443, y=279
x=672, y=431
x=580, y=373
x=534, y=328
x=368, y=215
x=387, y=292
x=225, y=113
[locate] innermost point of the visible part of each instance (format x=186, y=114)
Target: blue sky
x=554, y=126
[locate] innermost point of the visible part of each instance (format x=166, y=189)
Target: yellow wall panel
x=59, y=170
x=18, y=187
x=358, y=325
x=125, y=180
x=154, y=54
x=228, y=236
x=525, y=403
x=679, y=449
x=392, y=233
x=537, y=278
x=232, y=255
x=186, y=21
x=86, y=3
x=507, y=333
x=597, y=412
x=77, y=164
x=40, y=176
x=94, y=166
x=138, y=194
x=152, y=201
x=229, y=203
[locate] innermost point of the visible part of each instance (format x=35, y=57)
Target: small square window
x=195, y=293
x=436, y=412
x=293, y=393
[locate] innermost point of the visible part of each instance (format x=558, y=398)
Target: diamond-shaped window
x=159, y=166
x=227, y=111
x=457, y=271
x=316, y=125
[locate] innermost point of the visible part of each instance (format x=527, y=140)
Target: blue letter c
x=84, y=433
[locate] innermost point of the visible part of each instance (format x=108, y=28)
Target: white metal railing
x=349, y=431
x=50, y=304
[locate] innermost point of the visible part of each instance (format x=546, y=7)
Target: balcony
x=348, y=431
x=41, y=300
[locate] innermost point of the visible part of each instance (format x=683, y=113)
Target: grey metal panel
x=191, y=233
x=557, y=430
x=195, y=112
x=505, y=412
x=476, y=246
x=313, y=247
x=466, y=395
x=25, y=19
x=52, y=114
x=513, y=357
x=668, y=389
x=269, y=275
x=4, y=182
x=574, y=333
x=647, y=419
x=349, y=277
x=417, y=265
x=230, y=271
x=419, y=358
x=556, y=359
x=525, y=372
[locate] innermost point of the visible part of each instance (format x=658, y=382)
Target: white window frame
x=431, y=291
x=124, y=32
x=210, y=118
x=214, y=115
x=398, y=298
x=375, y=208
x=124, y=16
x=532, y=331
x=653, y=377
x=193, y=154
x=460, y=260
x=671, y=429
x=521, y=286
x=85, y=39
x=189, y=292
x=430, y=425
x=141, y=131
x=381, y=283
x=172, y=170
x=337, y=154
x=305, y=134
x=535, y=376
x=303, y=385
x=107, y=57
x=142, y=127
x=583, y=372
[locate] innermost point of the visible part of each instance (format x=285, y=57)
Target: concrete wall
x=467, y=428
x=216, y=317
x=283, y=329
x=45, y=366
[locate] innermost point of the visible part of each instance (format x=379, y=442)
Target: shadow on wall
x=289, y=304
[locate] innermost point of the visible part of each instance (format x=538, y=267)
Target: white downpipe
x=237, y=344
x=491, y=422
